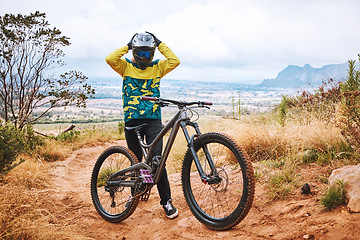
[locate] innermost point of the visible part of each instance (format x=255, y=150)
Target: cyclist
x=141, y=77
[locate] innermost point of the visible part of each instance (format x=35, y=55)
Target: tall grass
x=24, y=197
x=301, y=130
x=24, y=202
x=60, y=147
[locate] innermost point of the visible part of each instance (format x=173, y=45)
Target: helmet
x=143, y=49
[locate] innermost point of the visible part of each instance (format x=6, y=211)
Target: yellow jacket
x=137, y=82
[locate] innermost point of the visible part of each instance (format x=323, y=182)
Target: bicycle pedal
x=145, y=196
x=146, y=176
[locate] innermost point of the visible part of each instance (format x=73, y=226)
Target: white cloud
x=233, y=39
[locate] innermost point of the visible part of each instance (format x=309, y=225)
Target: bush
x=319, y=104
x=14, y=141
x=11, y=145
x=334, y=195
x=69, y=136
x=285, y=103
x=350, y=106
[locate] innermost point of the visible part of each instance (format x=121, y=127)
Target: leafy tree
x=28, y=48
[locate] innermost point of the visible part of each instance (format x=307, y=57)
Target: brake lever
x=202, y=105
x=162, y=104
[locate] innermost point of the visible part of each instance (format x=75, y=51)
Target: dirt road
x=297, y=217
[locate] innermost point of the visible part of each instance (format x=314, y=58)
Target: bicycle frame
x=181, y=119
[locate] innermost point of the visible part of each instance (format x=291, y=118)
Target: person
x=141, y=77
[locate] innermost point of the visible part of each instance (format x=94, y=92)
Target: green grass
x=334, y=195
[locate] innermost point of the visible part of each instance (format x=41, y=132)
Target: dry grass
x=61, y=148
x=264, y=139
x=25, y=197
x=30, y=174
x=94, y=136
x=270, y=141
x=279, y=153
x=23, y=211
x=55, y=151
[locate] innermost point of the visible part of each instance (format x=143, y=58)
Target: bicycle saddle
x=137, y=128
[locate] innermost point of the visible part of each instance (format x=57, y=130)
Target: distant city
x=229, y=99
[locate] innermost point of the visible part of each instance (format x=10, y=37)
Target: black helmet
x=143, y=49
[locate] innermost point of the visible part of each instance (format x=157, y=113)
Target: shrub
x=319, y=104
x=334, y=195
x=350, y=106
x=69, y=136
x=14, y=141
x=282, y=109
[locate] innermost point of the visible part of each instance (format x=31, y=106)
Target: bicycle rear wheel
x=224, y=204
x=113, y=202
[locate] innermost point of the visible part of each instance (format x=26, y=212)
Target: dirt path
x=297, y=217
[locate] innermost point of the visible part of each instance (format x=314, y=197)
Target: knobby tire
x=112, y=204
x=222, y=205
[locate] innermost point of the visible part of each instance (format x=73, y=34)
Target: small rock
x=308, y=236
x=306, y=189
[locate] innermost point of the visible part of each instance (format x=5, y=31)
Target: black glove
x=157, y=41
x=130, y=43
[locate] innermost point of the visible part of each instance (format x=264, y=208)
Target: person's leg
x=133, y=144
x=132, y=140
x=163, y=186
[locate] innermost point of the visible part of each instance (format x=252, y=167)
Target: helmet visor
x=142, y=54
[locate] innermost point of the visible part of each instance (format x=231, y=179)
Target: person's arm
x=116, y=62
x=171, y=62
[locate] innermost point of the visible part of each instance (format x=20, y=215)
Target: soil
x=296, y=217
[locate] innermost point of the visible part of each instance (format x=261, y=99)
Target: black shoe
x=170, y=210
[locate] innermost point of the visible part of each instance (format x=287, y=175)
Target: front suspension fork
x=213, y=176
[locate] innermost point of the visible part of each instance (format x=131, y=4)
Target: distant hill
x=296, y=77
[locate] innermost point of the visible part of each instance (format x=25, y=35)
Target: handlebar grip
x=208, y=103
x=149, y=98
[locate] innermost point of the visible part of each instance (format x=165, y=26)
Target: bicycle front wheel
x=223, y=204
x=114, y=203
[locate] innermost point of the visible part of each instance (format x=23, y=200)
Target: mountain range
x=297, y=77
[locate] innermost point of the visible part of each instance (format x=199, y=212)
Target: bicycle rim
x=224, y=204
x=113, y=203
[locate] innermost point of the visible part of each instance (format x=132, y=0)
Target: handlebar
x=179, y=103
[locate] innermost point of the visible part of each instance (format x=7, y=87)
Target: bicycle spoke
x=111, y=199
x=215, y=200
x=225, y=199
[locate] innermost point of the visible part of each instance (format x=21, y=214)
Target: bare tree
x=28, y=48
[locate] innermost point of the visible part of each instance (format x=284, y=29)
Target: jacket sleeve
x=116, y=62
x=171, y=62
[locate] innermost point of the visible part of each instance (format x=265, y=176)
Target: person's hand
x=130, y=43
x=157, y=41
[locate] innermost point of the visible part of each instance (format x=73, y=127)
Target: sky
x=215, y=40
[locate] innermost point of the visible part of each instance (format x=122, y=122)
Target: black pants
x=149, y=132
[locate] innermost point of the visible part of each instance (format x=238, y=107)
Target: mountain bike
x=217, y=176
